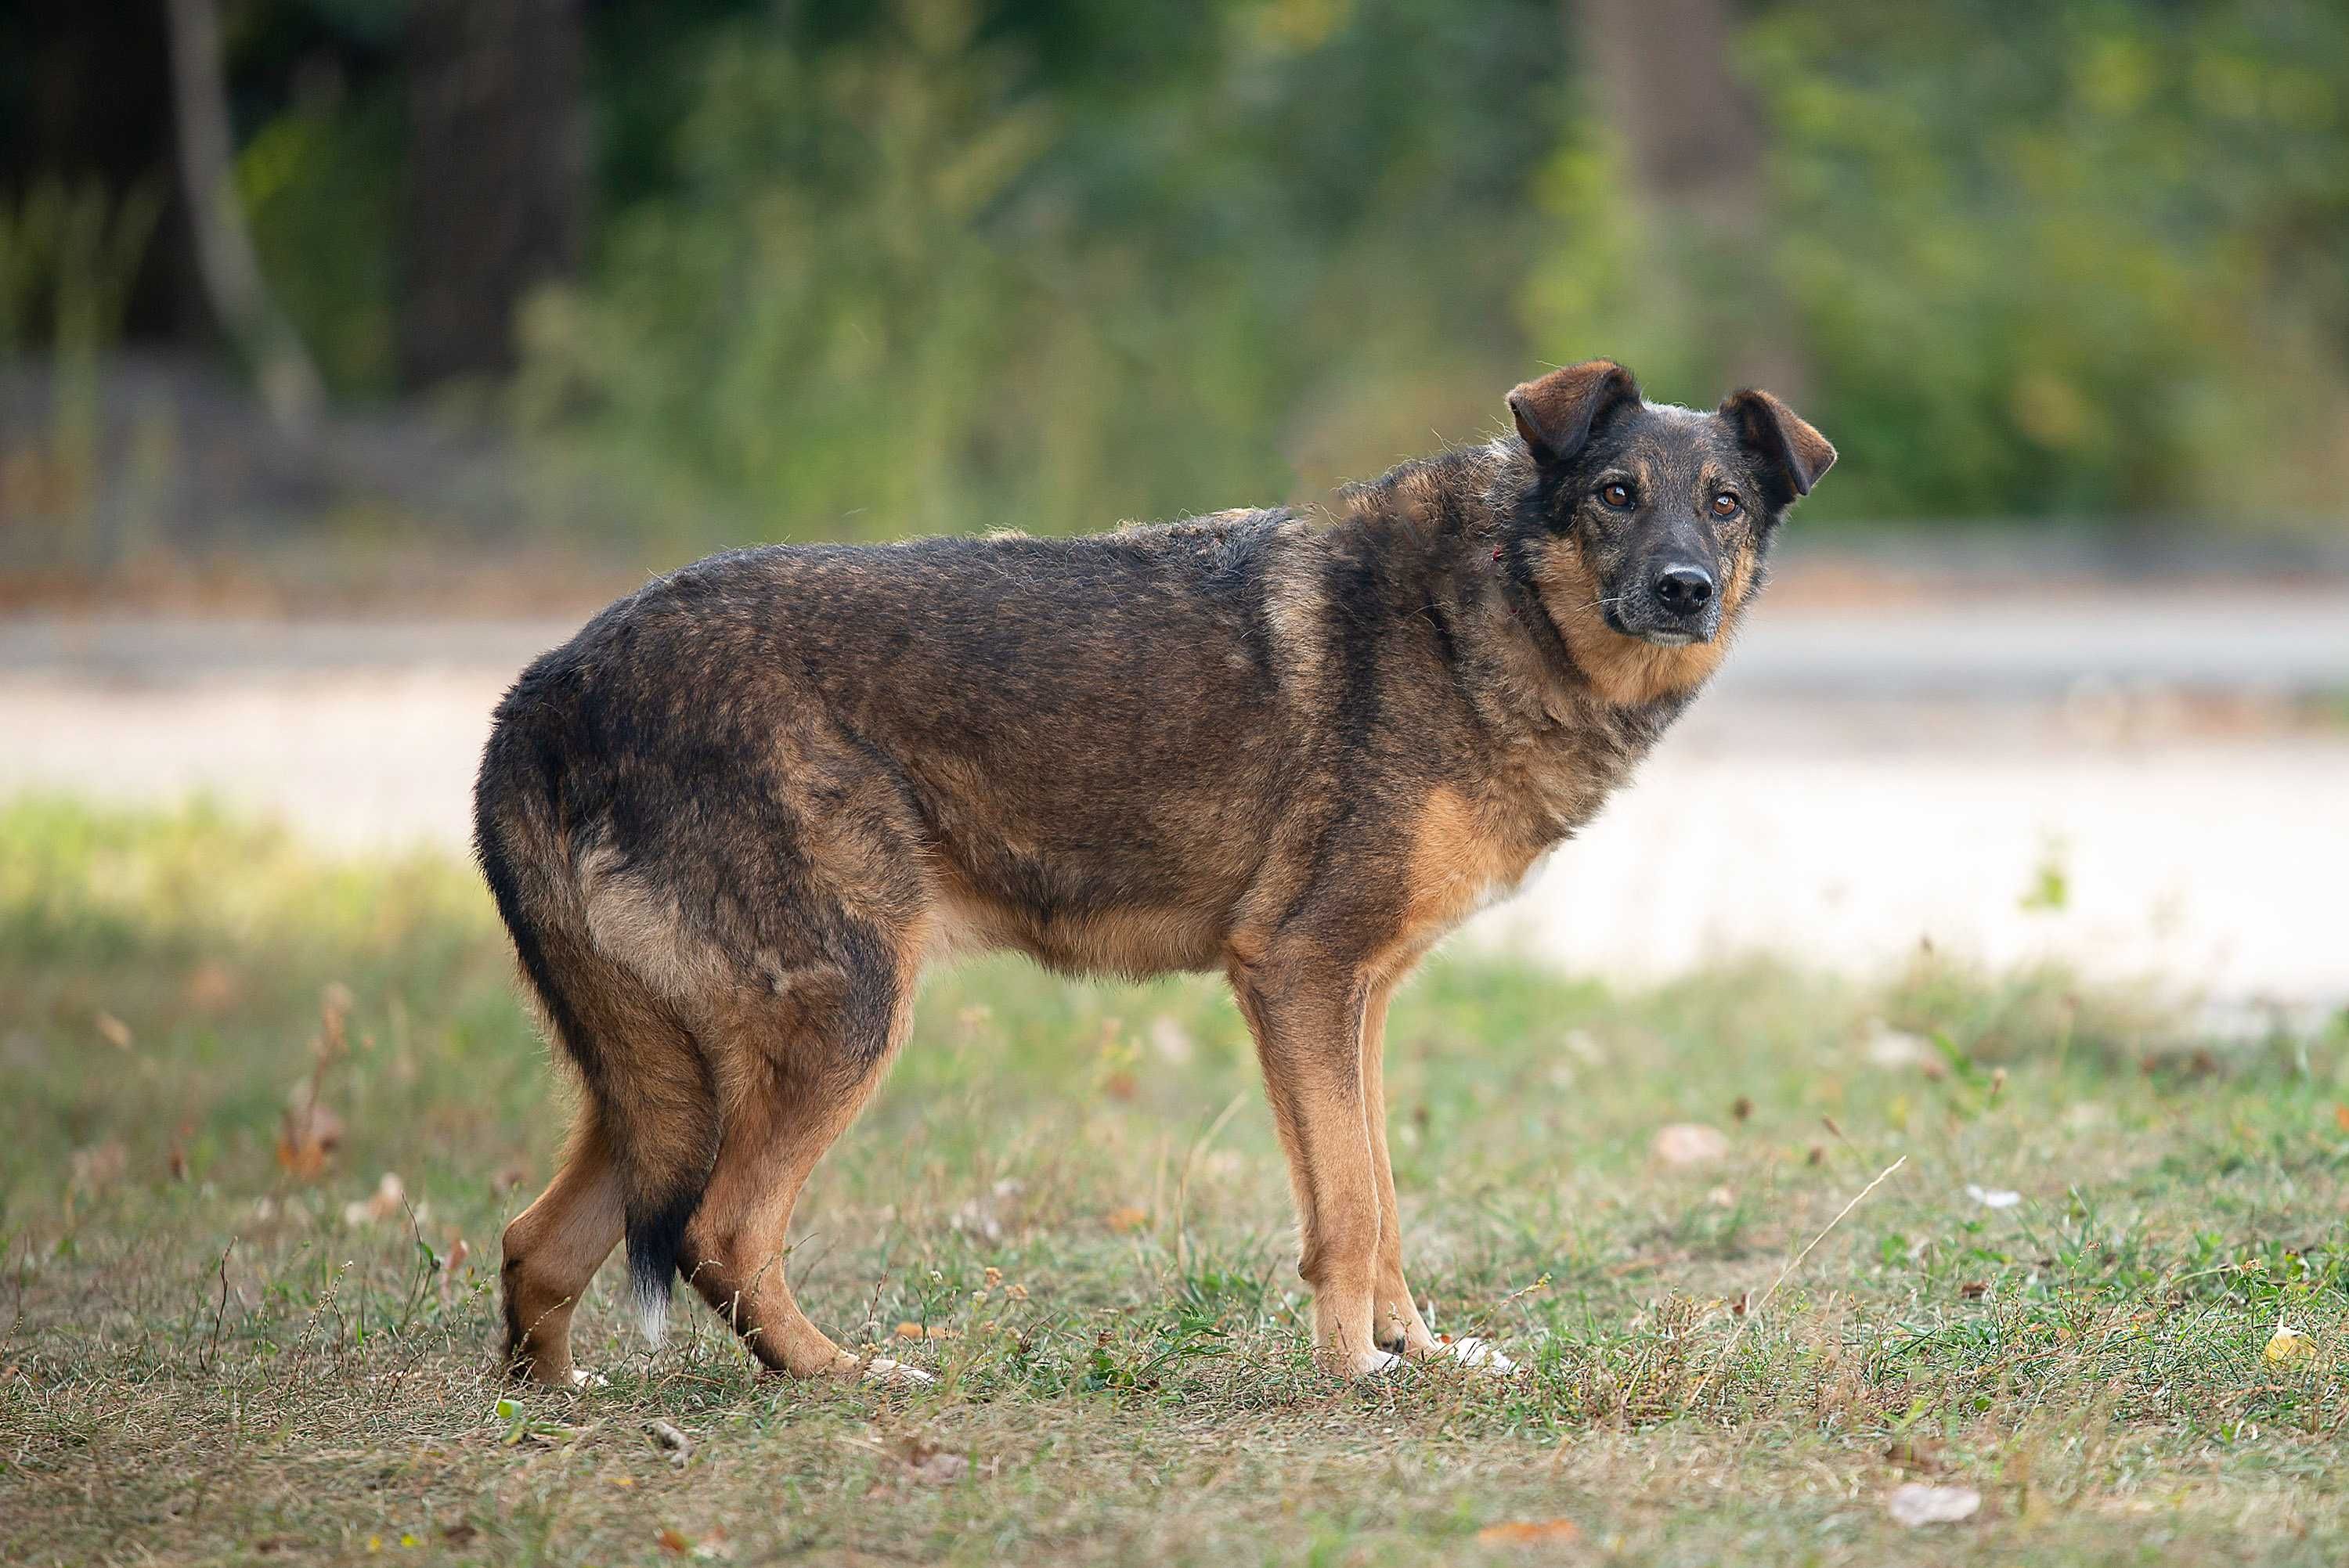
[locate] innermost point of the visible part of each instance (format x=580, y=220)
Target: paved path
x=1854, y=784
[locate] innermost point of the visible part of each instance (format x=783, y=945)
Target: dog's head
x=1649, y=522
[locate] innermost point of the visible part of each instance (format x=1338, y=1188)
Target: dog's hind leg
x=804, y=1063
x=552, y=1249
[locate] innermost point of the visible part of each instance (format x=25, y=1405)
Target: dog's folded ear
x=1796, y=454
x=1555, y=413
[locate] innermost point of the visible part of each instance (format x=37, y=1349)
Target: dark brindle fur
x=731, y=820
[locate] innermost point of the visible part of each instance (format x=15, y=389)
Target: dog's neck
x=1568, y=706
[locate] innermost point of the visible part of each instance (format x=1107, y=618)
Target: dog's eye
x=1725, y=504
x=1616, y=495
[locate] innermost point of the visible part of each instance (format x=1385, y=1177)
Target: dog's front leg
x=1308, y=1018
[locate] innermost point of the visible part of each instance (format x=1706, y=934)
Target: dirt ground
x=2142, y=786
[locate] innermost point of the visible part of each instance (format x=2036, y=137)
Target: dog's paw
x=581, y=1378
x=882, y=1374
x=1481, y=1354
x=1375, y=1363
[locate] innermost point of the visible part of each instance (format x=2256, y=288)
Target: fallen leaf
x=1742, y=1110
x=459, y=1251
x=2287, y=1345
x=2341, y=1117
x=1528, y=1533
x=115, y=1032
x=672, y=1442
x=1121, y=1085
x=940, y=1468
x=388, y=1199
x=460, y=1534
x=1915, y=1504
x=1128, y=1218
x=1690, y=1143
x=1974, y=1289
x=673, y=1542
x=309, y=1135
x=934, y=1331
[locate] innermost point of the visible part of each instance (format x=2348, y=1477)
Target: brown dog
x=730, y=820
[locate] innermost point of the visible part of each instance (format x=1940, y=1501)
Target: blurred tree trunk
x=239, y=296
x=497, y=175
x=1693, y=145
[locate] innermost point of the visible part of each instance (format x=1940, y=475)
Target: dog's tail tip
x=655, y=1241
x=652, y=1312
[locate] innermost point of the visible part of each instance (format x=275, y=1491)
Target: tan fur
x=552, y=1251
x=642, y=930
x=1626, y=671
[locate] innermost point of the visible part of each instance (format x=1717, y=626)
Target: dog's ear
x=1795, y=455
x=1556, y=413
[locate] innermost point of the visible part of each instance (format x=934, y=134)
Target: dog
x=732, y=820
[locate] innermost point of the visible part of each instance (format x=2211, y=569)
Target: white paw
x=1481, y=1354
x=895, y=1375
x=1372, y=1362
x=580, y=1378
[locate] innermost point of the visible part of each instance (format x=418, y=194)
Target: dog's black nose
x=1684, y=589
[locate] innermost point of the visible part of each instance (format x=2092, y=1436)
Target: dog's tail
x=647, y=1083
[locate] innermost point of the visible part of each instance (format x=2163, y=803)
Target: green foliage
x=922, y=278
x=951, y=266
x=2072, y=259
x=866, y=270
x=320, y=182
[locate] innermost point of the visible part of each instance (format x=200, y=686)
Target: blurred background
x=351, y=351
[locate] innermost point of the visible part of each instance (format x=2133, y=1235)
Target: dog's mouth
x=1661, y=636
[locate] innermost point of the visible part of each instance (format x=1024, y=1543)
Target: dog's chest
x=1464, y=856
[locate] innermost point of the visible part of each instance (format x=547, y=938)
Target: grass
x=216, y=1353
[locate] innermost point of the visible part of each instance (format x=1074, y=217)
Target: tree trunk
x=497, y=175
x=232, y=273
x=1693, y=145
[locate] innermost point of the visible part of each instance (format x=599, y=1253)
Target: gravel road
x=1855, y=783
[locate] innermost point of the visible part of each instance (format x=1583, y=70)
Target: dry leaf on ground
x=309, y=1135
x=1528, y=1533
x=934, y=1331
x=930, y=1464
x=2287, y=1345
x=388, y=1199
x=1690, y=1143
